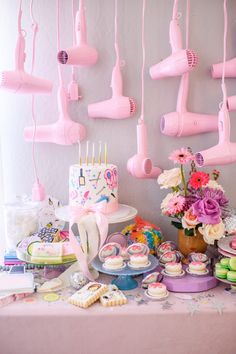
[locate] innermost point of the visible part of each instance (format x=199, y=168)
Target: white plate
x=172, y=275
x=224, y=244
x=155, y=298
x=114, y=269
x=124, y=213
x=197, y=275
x=143, y=267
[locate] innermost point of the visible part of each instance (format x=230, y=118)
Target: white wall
x=206, y=33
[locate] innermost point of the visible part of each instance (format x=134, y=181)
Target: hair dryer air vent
x=62, y=57
x=132, y=106
x=192, y=58
x=199, y=159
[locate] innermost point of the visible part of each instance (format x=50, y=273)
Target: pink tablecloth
x=200, y=323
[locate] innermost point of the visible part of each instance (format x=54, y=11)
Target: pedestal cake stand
x=124, y=280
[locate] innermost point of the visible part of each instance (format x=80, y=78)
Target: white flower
x=214, y=184
x=212, y=232
x=170, y=178
x=165, y=202
x=189, y=221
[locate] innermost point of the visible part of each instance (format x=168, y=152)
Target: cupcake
x=139, y=260
x=173, y=268
x=198, y=268
x=113, y=262
x=157, y=290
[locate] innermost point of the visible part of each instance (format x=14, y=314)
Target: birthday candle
x=87, y=152
x=100, y=153
x=80, y=160
x=105, y=153
x=93, y=155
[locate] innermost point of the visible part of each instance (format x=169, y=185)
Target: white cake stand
x=123, y=214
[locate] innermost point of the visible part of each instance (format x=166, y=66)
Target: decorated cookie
x=198, y=257
x=137, y=248
x=164, y=247
x=113, y=297
x=87, y=295
x=151, y=278
x=170, y=256
x=109, y=249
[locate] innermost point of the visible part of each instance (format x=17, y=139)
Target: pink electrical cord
x=141, y=119
x=116, y=35
x=38, y=192
x=223, y=87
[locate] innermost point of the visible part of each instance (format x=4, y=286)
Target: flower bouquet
x=197, y=201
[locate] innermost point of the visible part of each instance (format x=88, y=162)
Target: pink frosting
x=138, y=255
x=156, y=285
x=197, y=263
x=113, y=257
x=172, y=263
x=135, y=247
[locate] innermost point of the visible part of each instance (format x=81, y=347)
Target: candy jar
x=21, y=220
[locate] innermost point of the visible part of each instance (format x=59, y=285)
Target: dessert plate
x=114, y=269
x=224, y=244
x=156, y=298
x=224, y=253
x=197, y=275
x=181, y=275
x=143, y=267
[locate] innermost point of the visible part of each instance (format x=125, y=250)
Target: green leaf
x=189, y=232
x=176, y=224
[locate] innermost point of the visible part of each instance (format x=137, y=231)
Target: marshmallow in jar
x=21, y=220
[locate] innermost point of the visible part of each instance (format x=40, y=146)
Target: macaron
x=225, y=262
x=232, y=263
x=218, y=266
x=231, y=276
x=221, y=273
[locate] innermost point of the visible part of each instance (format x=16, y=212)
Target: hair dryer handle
x=175, y=36
x=80, y=24
x=224, y=125
x=142, y=138
x=183, y=93
x=62, y=101
x=116, y=81
x=20, y=52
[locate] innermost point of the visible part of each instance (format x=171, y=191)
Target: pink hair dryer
x=184, y=123
x=82, y=54
x=119, y=106
x=64, y=132
x=230, y=69
x=224, y=152
x=19, y=81
x=231, y=103
x=181, y=60
x=140, y=165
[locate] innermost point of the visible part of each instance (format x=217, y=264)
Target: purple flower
x=207, y=210
x=217, y=195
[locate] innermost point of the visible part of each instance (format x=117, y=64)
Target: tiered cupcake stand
x=225, y=250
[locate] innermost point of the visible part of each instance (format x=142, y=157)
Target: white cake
x=173, y=268
x=90, y=184
x=197, y=267
x=113, y=262
x=157, y=290
x=139, y=260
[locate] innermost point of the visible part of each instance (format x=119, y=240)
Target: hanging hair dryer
x=181, y=60
x=140, y=165
x=82, y=54
x=18, y=81
x=119, y=106
x=225, y=151
x=182, y=122
x=64, y=132
x=230, y=69
x=231, y=103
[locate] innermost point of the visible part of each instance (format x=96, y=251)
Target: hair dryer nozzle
x=175, y=65
x=221, y=154
x=21, y=82
x=231, y=103
x=230, y=69
x=82, y=55
x=118, y=107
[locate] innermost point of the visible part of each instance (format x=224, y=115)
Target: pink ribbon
x=102, y=223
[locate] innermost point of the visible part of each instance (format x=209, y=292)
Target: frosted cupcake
x=197, y=268
x=114, y=263
x=139, y=260
x=157, y=290
x=173, y=269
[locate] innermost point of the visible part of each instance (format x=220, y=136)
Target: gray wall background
x=206, y=37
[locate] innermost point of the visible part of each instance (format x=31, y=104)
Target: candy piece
x=221, y=273
x=224, y=262
x=231, y=276
x=232, y=263
x=113, y=297
x=89, y=294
